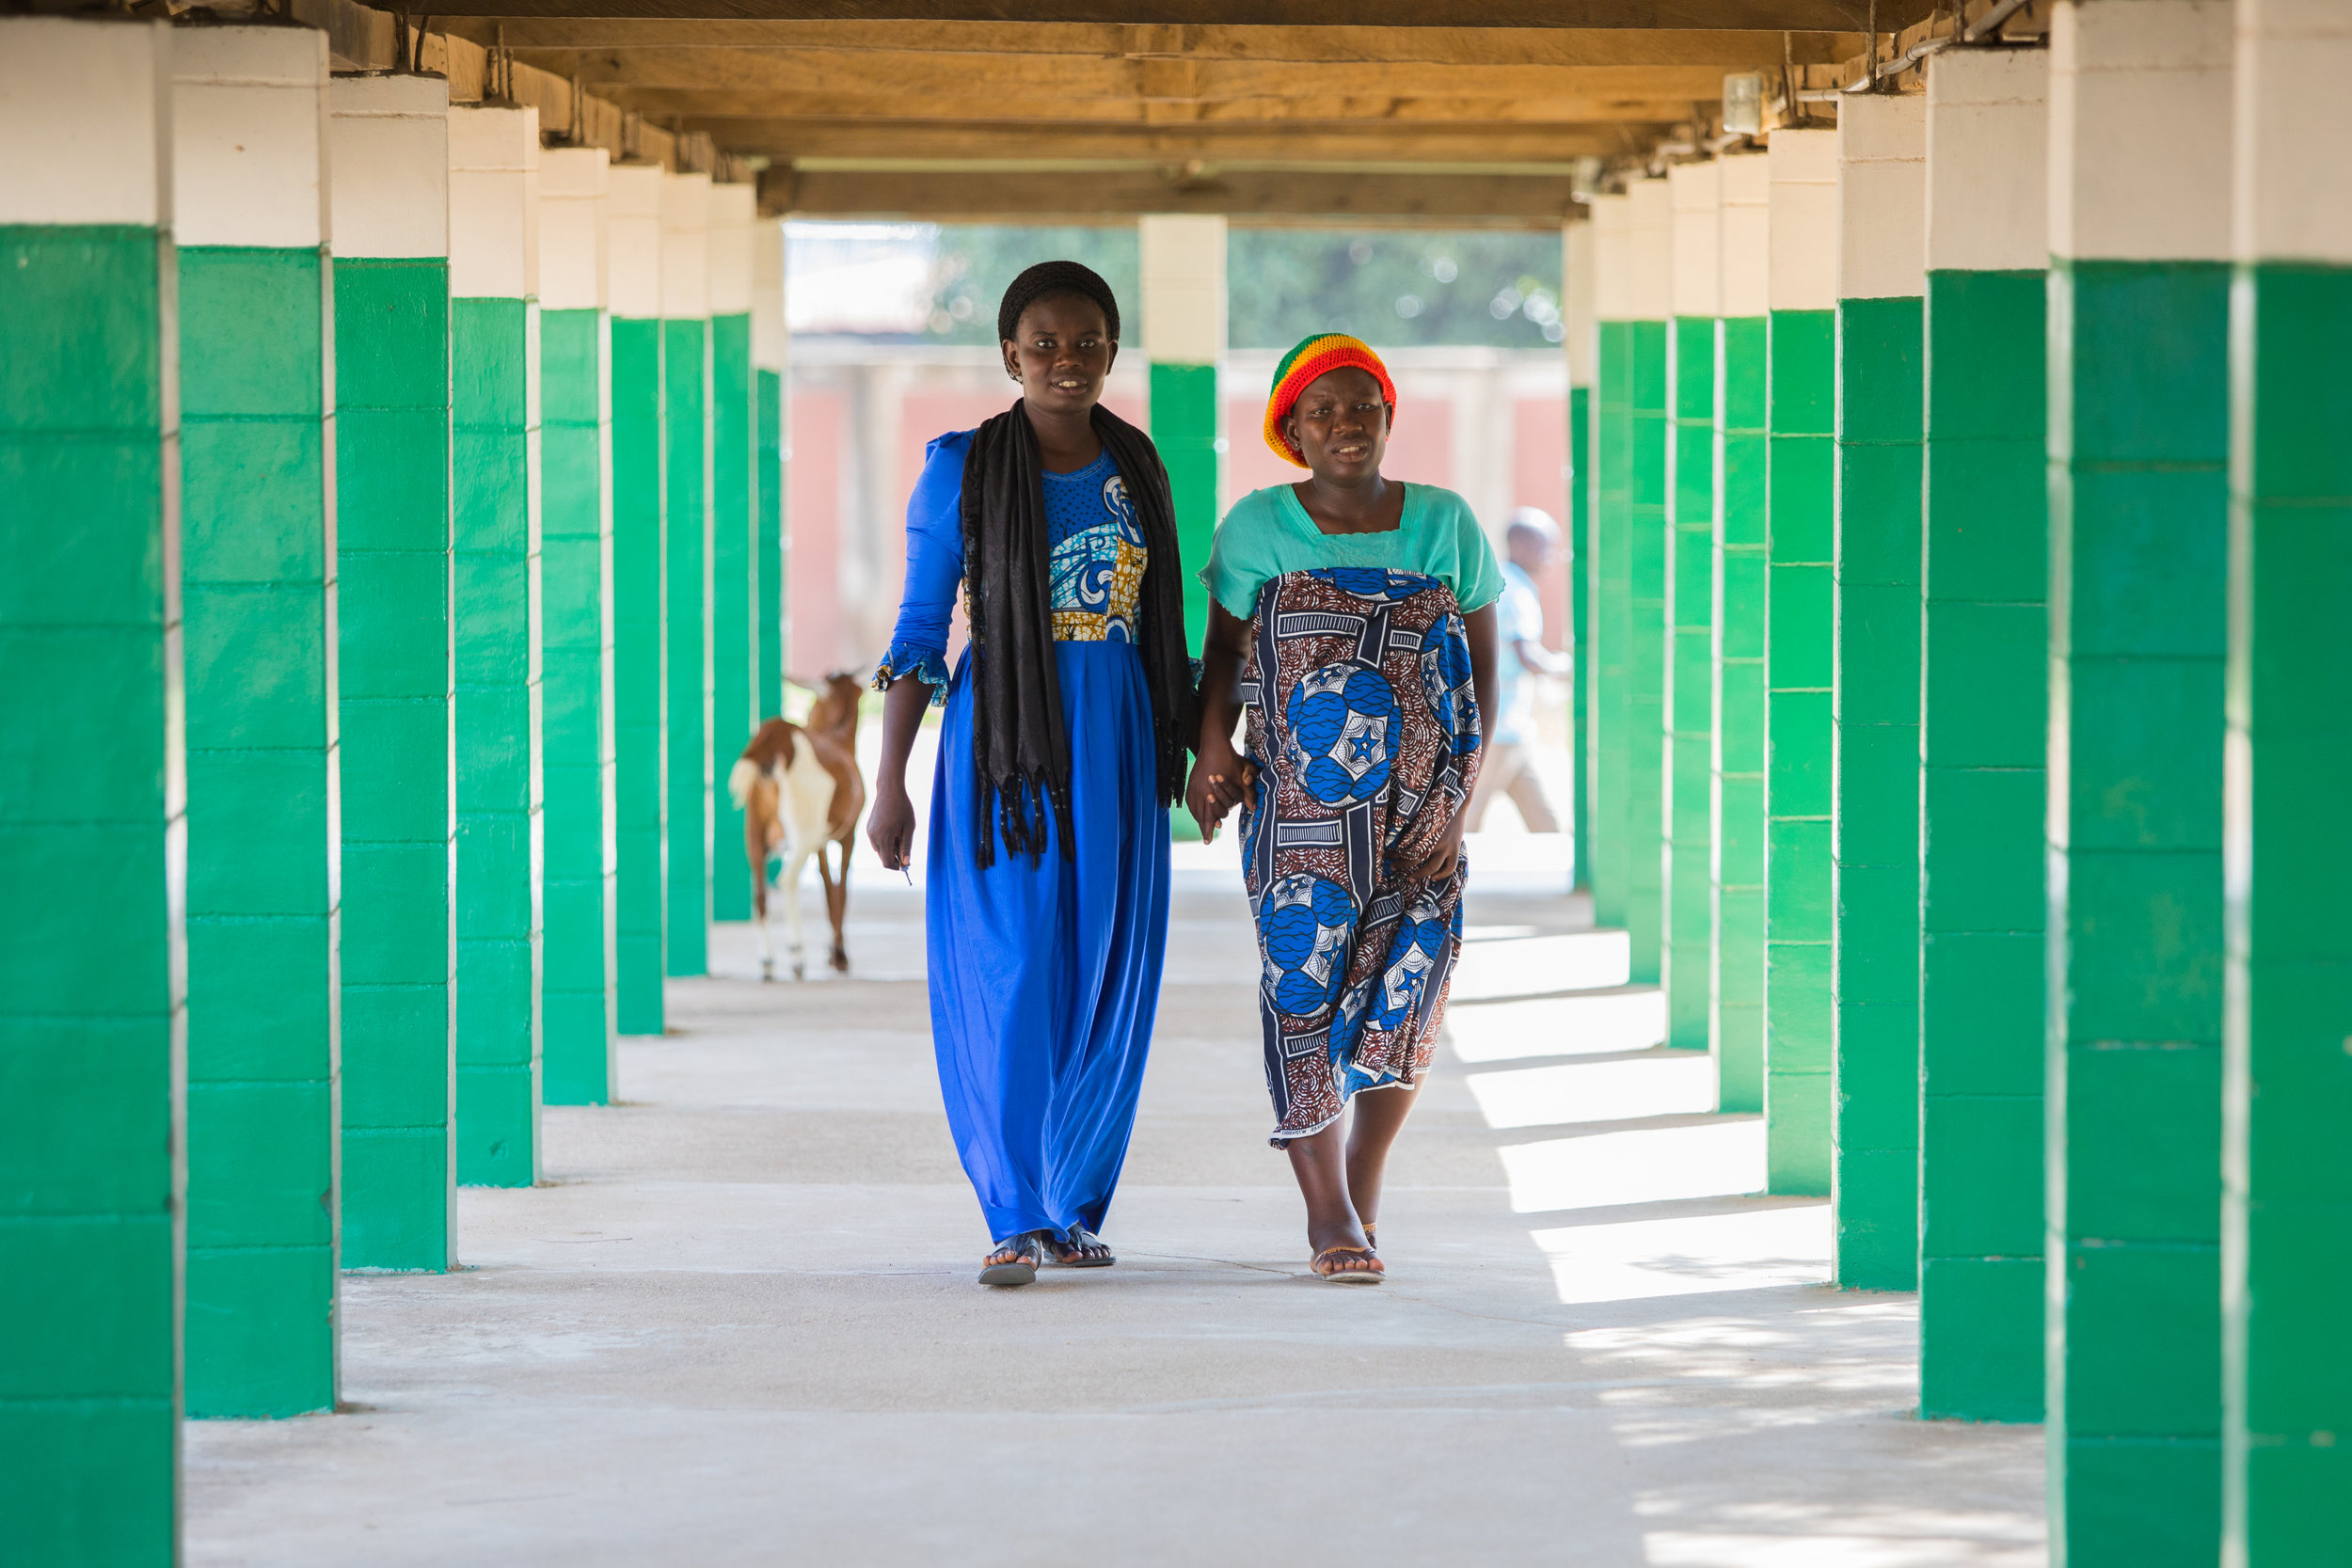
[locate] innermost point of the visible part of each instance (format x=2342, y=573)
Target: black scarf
x=1020, y=750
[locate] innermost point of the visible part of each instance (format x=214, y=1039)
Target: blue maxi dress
x=1045, y=971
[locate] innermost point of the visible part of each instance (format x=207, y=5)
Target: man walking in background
x=1529, y=541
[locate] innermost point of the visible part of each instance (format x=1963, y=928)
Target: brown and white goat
x=799, y=789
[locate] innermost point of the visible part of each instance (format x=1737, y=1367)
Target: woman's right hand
x=1218, y=778
x=890, y=825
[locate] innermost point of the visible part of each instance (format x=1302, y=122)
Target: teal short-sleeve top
x=1268, y=532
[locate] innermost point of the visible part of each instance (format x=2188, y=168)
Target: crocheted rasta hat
x=1317, y=355
x=1054, y=277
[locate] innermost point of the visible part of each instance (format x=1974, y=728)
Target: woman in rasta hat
x=1352, y=616
x=1063, y=743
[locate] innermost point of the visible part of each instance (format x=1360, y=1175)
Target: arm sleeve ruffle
x=927, y=665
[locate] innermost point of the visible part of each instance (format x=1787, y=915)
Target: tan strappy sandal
x=1348, y=1265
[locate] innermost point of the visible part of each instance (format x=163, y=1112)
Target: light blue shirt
x=1519, y=617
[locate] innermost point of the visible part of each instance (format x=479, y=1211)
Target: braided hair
x=1054, y=277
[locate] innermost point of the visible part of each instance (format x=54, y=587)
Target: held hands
x=890, y=826
x=1219, y=781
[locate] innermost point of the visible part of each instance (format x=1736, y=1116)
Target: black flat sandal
x=1080, y=1248
x=1015, y=1260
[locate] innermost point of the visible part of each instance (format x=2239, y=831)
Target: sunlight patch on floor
x=1688, y=1255
x=1573, y=1092
x=1720, y=1159
x=1530, y=965
x=1557, y=1026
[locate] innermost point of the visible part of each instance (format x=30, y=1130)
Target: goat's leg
x=837, y=904
x=759, y=915
x=795, y=858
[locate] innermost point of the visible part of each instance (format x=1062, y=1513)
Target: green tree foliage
x=1393, y=287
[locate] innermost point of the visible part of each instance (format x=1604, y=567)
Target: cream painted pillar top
x=1883, y=197
x=772, y=340
x=493, y=203
x=2140, y=111
x=2293, y=125
x=732, y=210
x=1803, y=166
x=1747, y=236
x=684, y=246
x=1613, y=257
x=1183, y=286
x=387, y=166
x=573, y=259
x=1576, y=300
x=1697, y=191
x=632, y=235
x=86, y=116
x=1987, y=159
x=1650, y=272
x=249, y=113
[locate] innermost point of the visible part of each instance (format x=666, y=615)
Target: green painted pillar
x=1686, y=704
x=685, y=572
x=495, y=463
x=1983, y=729
x=1874, y=937
x=1182, y=258
x=1608, y=672
x=1649, y=428
x=258, y=585
x=1800, y=491
x=1577, y=306
x=93, y=834
x=639, y=511
x=770, y=347
x=577, y=971
x=2139, y=443
x=734, y=480
x=389, y=162
x=2287, y=1075
x=638, y=615
x=1736, y=761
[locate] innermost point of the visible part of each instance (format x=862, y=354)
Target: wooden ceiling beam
x=1082, y=116
x=1803, y=16
x=1096, y=195
x=1047, y=83
x=1445, y=46
x=964, y=141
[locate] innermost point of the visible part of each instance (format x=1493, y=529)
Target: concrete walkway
x=739, y=1324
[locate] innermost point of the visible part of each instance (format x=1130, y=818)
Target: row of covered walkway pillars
x=1963, y=504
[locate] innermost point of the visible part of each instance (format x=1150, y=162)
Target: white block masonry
x=2140, y=112
x=1988, y=157
x=733, y=210
x=1613, y=257
x=1747, y=236
x=1803, y=170
x=1183, y=286
x=1576, y=300
x=249, y=112
x=493, y=203
x=574, y=256
x=1883, y=197
x=772, y=340
x=684, y=246
x=633, y=219
x=1650, y=276
x=1698, y=279
x=2293, y=123
x=387, y=166
x=86, y=116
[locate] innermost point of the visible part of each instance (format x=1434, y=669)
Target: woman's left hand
x=1439, y=862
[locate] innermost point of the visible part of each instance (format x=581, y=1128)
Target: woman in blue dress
x=1063, y=744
